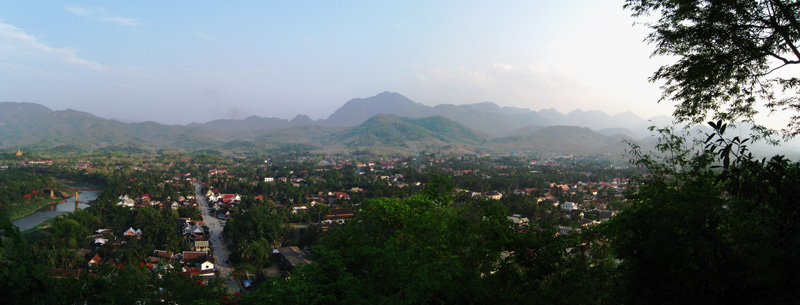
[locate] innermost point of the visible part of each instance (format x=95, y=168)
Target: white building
x=569, y=206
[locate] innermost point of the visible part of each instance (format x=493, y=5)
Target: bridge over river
x=77, y=191
x=50, y=211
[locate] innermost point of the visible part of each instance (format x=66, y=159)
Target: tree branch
x=787, y=15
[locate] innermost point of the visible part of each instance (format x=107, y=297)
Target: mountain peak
x=389, y=93
x=300, y=120
x=301, y=117
x=358, y=110
x=485, y=106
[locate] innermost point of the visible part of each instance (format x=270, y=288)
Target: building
x=569, y=206
x=292, y=257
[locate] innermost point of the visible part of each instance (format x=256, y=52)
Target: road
x=220, y=250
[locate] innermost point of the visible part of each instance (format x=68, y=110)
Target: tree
x=728, y=55
x=257, y=252
x=402, y=251
x=710, y=225
x=429, y=249
x=20, y=278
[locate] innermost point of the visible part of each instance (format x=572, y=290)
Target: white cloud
x=535, y=86
x=15, y=43
x=504, y=67
x=80, y=11
x=204, y=36
x=121, y=20
x=101, y=14
x=473, y=77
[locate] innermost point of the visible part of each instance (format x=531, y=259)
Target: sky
x=177, y=62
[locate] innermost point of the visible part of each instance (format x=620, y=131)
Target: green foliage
x=19, y=276
x=16, y=184
x=439, y=190
x=160, y=227
x=711, y=225
x=449, y=129
x=11, y=244
x=189, y=212
x=418, y=250
x=122, y=150
x=727, y=52
x=390, y=130
x=255, y=232
x=256, y=252
x=207, y=156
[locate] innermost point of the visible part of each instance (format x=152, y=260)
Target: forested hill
x=486, y=117
x=33, y=127
x=398, y=131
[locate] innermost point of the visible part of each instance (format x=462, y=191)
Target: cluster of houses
x=193, y=263
x=38, y=162
x=222, y=202
x=197, y=262
x=82, y=165
x=104, y=236
x=335, y=215
x=384, y=163
x=494, y=195
x=591, y=203
x=571, y=210
x=147, y=200
x=215, y=172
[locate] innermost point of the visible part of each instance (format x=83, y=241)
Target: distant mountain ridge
x=565, y=139
x=392, y=130
x=387, y=123
x=486, y=117
x=34, y=127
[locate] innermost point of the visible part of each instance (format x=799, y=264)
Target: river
x=53, y=210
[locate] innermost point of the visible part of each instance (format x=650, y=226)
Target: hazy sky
x=183, y=61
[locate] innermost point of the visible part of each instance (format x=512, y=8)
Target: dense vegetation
x=428, y=249
x=730, y=57
x=686, y=233
x=21, y=192
x=49, y=266
x=707, y=223
x=711, y=226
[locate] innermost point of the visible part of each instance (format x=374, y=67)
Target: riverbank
x=44, y=225
x=27, y=207
x=21, y=209
x=41, y=215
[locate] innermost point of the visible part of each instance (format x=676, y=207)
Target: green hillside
x=449, y=129
x=562, y=139
x=393, y=131
x=33, y=127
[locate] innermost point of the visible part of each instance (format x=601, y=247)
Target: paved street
x=221, y=251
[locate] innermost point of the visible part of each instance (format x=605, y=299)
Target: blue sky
x=182, y=61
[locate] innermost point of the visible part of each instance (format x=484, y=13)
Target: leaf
x=710, y=136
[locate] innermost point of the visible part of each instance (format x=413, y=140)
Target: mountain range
x=386, y=123
x=487, y=117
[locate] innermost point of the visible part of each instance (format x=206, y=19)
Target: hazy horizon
x=178, y=63
x=246, y=115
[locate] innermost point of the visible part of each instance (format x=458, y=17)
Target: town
x=228, y=225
